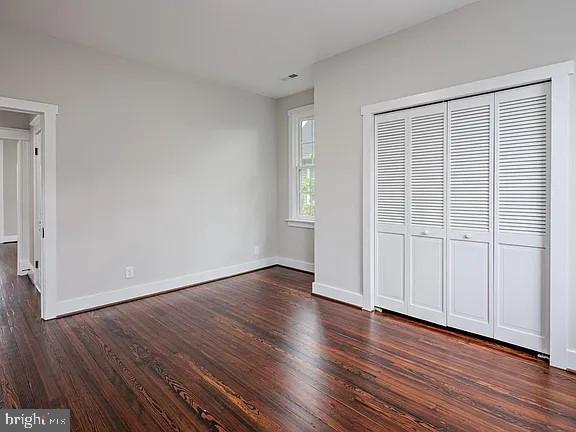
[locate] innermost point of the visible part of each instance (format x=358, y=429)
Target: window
x=302, y=176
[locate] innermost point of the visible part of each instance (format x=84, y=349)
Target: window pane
x=307, y=130
x=307, y=142
x=307, y=183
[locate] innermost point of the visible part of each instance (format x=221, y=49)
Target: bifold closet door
x=391, y=210
x=522, y=177
x=426, y=248
x=410, y=212
x=470, y=214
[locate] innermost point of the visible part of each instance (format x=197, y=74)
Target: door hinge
x=42, y=232
x=36, y=263
x=36, y=151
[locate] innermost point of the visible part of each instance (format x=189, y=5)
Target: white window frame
x=295, y=117
x=561, y=355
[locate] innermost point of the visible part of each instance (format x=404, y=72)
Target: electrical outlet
x=129, y=272
x=257, y=250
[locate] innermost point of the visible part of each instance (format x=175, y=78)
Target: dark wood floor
x=258, y=352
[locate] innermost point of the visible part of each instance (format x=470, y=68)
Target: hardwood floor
x=257, y=352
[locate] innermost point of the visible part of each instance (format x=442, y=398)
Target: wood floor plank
x=258, y=352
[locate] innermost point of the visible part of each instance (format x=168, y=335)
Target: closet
x=462, y=214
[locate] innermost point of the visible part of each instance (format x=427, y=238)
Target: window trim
x=295, y=116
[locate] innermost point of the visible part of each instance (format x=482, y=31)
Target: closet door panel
x=391, y=272
x=470, y=214
x=392, y=134
x=427, y=198
x=427, y=279
x=522, y=312
x=522, y=178
x=469, y=286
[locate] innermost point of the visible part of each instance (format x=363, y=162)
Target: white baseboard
x=133, y=292
x=339, y=294
x=296, y=264
x=32, y=276
x=10, y=239
x=24, y=268
x=571, y=359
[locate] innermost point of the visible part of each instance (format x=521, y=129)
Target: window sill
x=299, y=223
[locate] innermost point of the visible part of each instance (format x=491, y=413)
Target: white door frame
x=559, y=75
x=37, y=138
x=49, y=113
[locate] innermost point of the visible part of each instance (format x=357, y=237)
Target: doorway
x=35, y=192
x=21, y=190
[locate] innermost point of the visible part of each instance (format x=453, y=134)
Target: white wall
x=486, y=39
x=169, y=174
x=293, y=243
x=10, y=157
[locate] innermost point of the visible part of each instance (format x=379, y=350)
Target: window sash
x=302, y=213
x=302, y=166
x=302, y=186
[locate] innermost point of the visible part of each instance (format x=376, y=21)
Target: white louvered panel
x=522, y=290
x=522, y=164
x=391, y=171
x=470, y=214
x=427, y=163
x=469, y=150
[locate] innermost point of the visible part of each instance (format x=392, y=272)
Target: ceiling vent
x=289, y=77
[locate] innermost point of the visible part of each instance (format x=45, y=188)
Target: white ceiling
x=250, y=44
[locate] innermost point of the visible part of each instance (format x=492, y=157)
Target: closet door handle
x=426, y=232
x=467, y=236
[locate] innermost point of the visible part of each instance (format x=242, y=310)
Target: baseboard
x=93, y=301
x=296, y=264
x=339, y=294
x=32, y=276
x=9, y=239
x=24, y=268
x=571, y=359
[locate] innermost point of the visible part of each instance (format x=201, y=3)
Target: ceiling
x=251, y=44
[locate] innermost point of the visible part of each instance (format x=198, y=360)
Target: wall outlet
x=256, y=250
x=129, y=272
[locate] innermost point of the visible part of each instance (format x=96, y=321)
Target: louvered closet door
x=470, y=208
x=391, y=170
x=427, y=193
x=521, y=264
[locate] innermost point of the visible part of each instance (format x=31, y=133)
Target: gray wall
x=169, y=174
x=485, y=39
x=293, y=243
x=10, y=155
x=15, y=120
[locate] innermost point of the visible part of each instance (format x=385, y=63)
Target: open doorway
x=20, y=190
x=27, y=129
